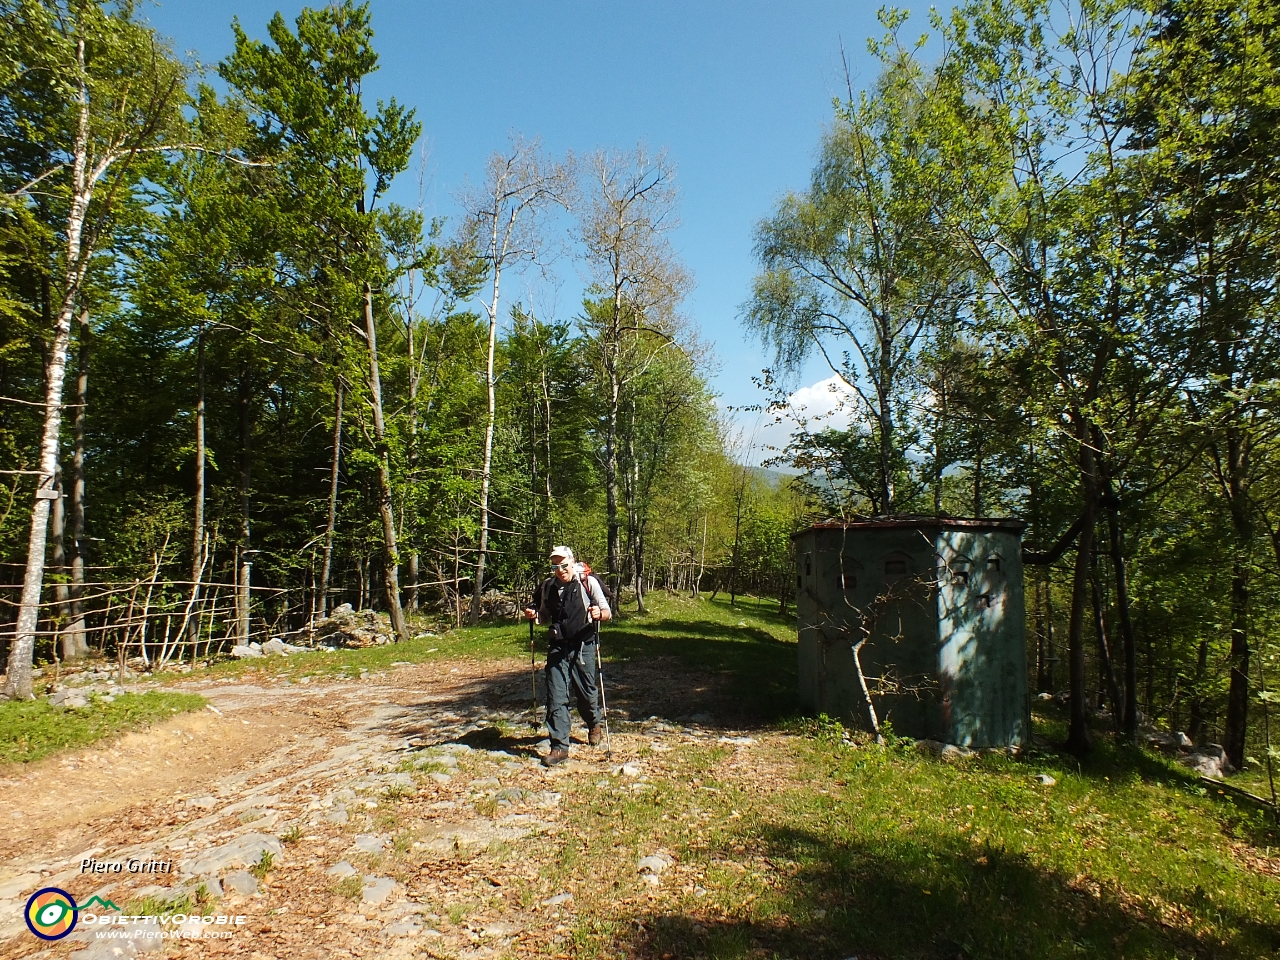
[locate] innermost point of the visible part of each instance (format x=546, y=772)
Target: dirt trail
x=314, y=774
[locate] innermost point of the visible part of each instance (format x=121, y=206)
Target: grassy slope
x=31, y=730
x=883, y=852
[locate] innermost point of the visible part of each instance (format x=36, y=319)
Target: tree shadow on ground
x=744, y=676
x=905, y=895
x=669, y=671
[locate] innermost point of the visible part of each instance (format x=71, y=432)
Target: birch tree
x=631, y=315
x=504, y=224
x=100, y=94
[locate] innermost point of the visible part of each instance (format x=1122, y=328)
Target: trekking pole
x=533, y=681
x=604, y=707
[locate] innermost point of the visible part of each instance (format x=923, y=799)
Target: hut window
x=895, y=568
x=808, y=565
x=993, y=564
x=960, y=577
x=849, y=581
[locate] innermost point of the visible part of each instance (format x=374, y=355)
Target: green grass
x=838, y=850
x=485, y=642
x=264, y=864
x=31, y=729
x=749, y=644
x=886, y=853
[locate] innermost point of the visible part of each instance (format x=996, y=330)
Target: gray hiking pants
x=571, y=669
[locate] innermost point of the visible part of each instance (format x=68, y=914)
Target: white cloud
x=827, y=403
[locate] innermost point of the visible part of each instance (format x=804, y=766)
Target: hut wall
x=943, y=614
x=982, y=657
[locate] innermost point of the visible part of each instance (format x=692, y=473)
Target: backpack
x=604, y=587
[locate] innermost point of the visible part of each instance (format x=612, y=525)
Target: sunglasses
x=555, y=567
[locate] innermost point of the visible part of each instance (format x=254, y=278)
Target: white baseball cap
x=561, y=553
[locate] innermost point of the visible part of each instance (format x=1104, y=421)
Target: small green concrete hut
x=939, y=602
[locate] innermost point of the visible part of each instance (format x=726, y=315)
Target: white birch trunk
x=22, y=649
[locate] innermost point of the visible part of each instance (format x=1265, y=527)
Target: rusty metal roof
x=1010, y=524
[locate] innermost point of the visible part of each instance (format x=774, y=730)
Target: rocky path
x=402, y=815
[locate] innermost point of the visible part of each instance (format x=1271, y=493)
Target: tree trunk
x=1129, y=722
x=415, y=376
x=1078, y=738
x=76, y=630
x=1042, y=647
x=197, y=524
x=638, y=560
x=884, y=390
x=244, y=561
x=631, y=493
x=1050, y=635
x=1233, y=740
x=478, y=589
x=1196, y=722
x=546, y=473
x=334, y=465
x=611, y=484
x=977, y=483
x=58, y=559
x=1107, y=667
x=390, y=557
x=326, y=565
x=22, y=649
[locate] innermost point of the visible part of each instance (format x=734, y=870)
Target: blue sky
x=736, y=92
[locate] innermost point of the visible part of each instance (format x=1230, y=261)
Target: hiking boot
x=595, y=735
x=557, y=756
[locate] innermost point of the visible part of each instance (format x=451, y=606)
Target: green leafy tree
x=305, y=100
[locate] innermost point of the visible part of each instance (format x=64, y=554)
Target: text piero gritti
x=132, y=865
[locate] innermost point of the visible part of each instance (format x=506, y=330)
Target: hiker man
x=572, y=603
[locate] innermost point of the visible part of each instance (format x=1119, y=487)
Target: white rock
x=1209, y=761
x=244, y=851
x=557, y=900
x=369, y=843
x=1045, y=780
x=341, y=869
x=241, y=882
x=377, y=889
x=408, y=927
x=241, y=652
x=276, y=646
x=21, y=884
x=653, y=864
